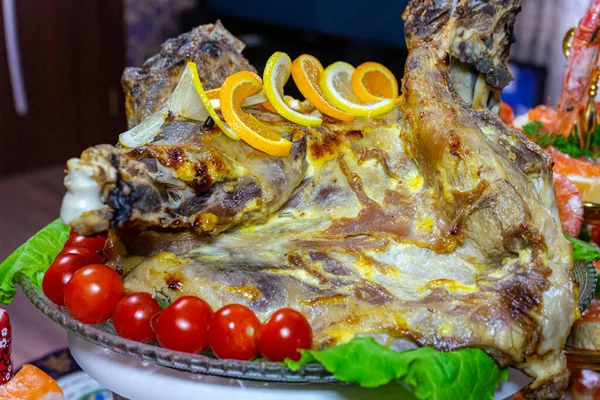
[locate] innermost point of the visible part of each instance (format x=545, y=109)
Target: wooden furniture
x=28, y=202
x=72, y=56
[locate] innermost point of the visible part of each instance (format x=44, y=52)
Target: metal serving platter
x=206, y=364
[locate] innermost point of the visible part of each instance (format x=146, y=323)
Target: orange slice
x=289, y=100
x=236, y=88
x=372, y=81
x=276, y=74
x=214, y=94
x=335, y=82
x=193, y=70
x=31, y=383
x=269, y=107
x=306, y=71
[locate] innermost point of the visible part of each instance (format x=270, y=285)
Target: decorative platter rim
x=105, y=336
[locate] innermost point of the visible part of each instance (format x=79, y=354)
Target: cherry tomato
x=95, y=243
x=93, y=293
x=91, y=255
x=182, y=326
x=132, y=317
x=59, y=274
x=283, y=334
x=232, y=332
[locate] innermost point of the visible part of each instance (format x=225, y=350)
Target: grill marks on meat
x=216, y=52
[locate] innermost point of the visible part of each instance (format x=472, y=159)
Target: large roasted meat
x=434, y=225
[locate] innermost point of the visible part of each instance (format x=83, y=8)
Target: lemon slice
x=276, y=74
x=188, y=100
x=236, y=88
x=191, y=67
x=306, y=71
x=336, y=84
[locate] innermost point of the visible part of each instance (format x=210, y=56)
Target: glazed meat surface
x=434, y=225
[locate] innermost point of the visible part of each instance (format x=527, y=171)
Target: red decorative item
x=6, y=364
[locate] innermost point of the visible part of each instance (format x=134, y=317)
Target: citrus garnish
x=188, y=100
x=372, y=81
x=213, y=95
x=236, y=88
x=306, y=71
x=276, y=74
x=269, y=107
x=191, y=66
x=289, y=100
x=336, y=84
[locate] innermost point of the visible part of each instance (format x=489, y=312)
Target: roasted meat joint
x=429, y=224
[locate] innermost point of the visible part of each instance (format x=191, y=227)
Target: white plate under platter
x=140, y=380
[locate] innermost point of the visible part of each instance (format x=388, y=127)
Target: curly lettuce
x=430, y=374
x=583, y=250
x=32, y=259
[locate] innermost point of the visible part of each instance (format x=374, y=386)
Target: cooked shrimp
x=580, y=76
x=570, y=206
x=544, y=114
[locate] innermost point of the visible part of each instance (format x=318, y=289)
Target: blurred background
x=61, y=63
x=60, y=87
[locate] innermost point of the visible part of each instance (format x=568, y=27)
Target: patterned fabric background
x=148, y=23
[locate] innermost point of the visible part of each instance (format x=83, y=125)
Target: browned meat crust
x=434, y=224
x=216, y=52
x=476, y=32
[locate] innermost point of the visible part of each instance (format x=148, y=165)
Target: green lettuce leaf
x=583, y=250
x=462, y=374
x=32, y=258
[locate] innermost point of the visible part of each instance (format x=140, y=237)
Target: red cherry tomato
x=93, y=293
x=91, y=255
x=283, y=334
x=59, y=274
x=132, y=317
x=95, y=243
x=232, y=332
x=182, y=326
